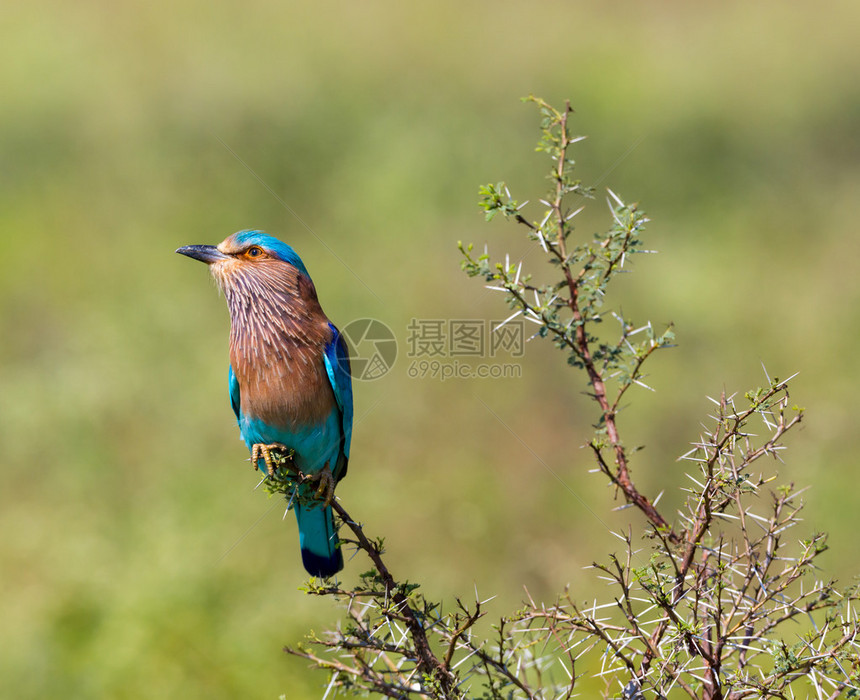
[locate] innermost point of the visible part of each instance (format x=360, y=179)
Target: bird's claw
x=326, y=484
x=325, y=490
x=265, y=451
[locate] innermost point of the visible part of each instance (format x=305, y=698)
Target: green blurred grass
x=137, y=562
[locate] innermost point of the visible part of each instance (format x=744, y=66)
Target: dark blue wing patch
x=337, y=367
x=234, y=392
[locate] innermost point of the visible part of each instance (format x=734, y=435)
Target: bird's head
x=246, y=257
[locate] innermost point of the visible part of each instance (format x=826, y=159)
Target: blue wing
x=234, y=392
x=337, y=367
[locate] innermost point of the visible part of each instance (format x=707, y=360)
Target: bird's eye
x=254, y=252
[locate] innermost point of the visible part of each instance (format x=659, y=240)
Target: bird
x=289, y=376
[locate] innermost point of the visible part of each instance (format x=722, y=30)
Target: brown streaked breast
x=284, y=392
x=278, y=336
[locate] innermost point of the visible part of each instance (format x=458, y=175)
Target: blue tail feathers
x=318, y=540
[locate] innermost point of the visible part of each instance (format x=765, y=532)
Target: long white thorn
x=615, y=197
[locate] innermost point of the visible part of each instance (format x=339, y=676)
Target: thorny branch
x=398, y=663
x=584, y=268
x=394, y=603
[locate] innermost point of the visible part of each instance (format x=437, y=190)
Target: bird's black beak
x=204, y=253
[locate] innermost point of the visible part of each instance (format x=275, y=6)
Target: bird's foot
x=325, y=490
x=265, y=451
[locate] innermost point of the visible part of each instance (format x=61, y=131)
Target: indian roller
x=289, y=378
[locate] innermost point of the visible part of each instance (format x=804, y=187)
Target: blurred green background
x=136, y=560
